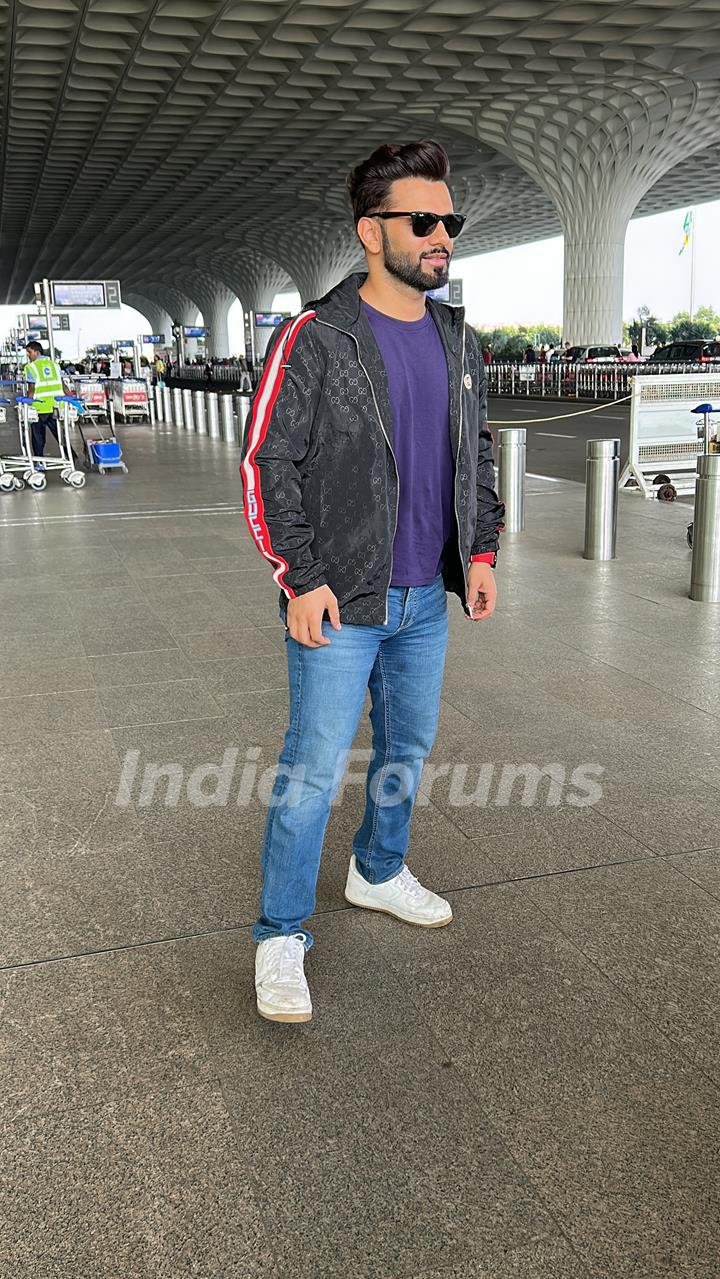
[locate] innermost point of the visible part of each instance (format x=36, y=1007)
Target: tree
x=656, y=331
x=704, y=324
x=509, y=341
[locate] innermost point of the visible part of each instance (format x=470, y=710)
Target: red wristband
x=488, y=557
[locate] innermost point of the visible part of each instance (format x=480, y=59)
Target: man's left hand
x=481, y=591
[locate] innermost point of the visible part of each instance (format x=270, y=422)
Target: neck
x=392, y=297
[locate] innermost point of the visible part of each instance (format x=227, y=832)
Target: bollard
x=227, y=419
x=167, y=404
x=159, y=407
x=111, y=411
x=151, y=406
x=177, y=405
x=242, y=408
x=511, y=477
x=187, y=399
x=200, y=417
x=705, y=571
x=602, y=473
x=213, y=421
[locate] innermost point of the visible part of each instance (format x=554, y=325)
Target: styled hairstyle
x=33, y=346
x=370, y=181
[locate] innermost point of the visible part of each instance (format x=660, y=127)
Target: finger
x=333, y=612
x=316, y=635
x=306, y=638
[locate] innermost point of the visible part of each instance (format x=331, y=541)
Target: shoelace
x=410, y=884
x=290, y=968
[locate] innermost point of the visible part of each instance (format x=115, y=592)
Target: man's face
x=422, y=264
x=32, y=354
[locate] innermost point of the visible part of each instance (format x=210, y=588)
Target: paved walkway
x=530, y=1094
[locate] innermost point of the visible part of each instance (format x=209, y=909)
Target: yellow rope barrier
x=529, y=421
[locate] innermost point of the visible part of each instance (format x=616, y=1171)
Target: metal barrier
x=602, y=472
x=187, y=400
x=200, y=414
x=227, y=377
x=213, y=421
x=705, y=570
x=159, y=408
x=167, y=404
x=664, y=442
x=511, y=477
x=562, y=380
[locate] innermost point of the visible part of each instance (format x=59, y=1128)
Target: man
x=368, y=477
x=44, y=375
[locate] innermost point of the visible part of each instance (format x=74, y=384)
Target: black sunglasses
x=423, y=224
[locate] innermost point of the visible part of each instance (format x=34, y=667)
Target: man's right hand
x=305, y=616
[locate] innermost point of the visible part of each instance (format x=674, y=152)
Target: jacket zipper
x=457, y=463
x=387, y=441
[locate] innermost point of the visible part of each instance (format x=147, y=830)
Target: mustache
x=436, y=253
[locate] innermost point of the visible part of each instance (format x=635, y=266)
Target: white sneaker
x=280, y=985
x=401, y=896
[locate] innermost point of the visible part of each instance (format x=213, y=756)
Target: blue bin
x=105, y=450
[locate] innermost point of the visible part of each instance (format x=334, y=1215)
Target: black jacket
x=320, y=478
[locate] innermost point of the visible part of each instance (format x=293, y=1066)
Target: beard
x=410, y=271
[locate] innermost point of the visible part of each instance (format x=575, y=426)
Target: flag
x=687, y=231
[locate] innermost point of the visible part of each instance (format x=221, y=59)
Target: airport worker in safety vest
x=46, y=379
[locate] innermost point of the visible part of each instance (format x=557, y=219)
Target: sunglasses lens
x=424, y=223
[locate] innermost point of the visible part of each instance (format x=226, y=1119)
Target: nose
x=440, y=239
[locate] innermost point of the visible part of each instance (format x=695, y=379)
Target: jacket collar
x=342, y=307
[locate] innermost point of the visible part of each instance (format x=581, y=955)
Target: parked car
x=591, y=354
x=695, y=351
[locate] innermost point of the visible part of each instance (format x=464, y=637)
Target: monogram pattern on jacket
x=318, y=469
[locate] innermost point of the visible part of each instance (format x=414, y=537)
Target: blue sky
x=515, y=286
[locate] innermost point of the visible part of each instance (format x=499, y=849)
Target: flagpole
x=693, y=229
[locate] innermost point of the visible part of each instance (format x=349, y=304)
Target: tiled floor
x=532, y=1093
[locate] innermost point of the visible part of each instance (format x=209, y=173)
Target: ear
x=368, y=230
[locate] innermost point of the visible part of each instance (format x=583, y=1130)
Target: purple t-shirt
x=417, y=373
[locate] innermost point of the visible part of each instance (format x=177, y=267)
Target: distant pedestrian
x=487, y=354
x=530, y=357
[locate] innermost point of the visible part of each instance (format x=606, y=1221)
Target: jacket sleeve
x=277, y=438
x=490, y=510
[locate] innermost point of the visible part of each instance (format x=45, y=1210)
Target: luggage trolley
x=11, y=468
x=34, y=470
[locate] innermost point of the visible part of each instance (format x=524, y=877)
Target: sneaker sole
x=287, y=1017
x=382, y=910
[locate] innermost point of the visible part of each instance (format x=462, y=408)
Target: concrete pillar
x=596, y=154
x=594, y=268
x=215, y=308
x=156, y=316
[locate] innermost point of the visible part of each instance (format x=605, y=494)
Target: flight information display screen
x=269, y=319
x=78, y=293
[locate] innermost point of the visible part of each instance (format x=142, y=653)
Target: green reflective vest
x=46, y=380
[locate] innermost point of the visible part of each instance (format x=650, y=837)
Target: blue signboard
x=194, y=332
x=154, y=339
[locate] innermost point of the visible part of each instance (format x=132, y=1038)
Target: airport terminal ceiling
x=189, y=145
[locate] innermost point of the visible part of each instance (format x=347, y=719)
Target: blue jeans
x=402, y=663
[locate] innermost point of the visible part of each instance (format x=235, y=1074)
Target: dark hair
x=33, y=346
x=370, y=181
